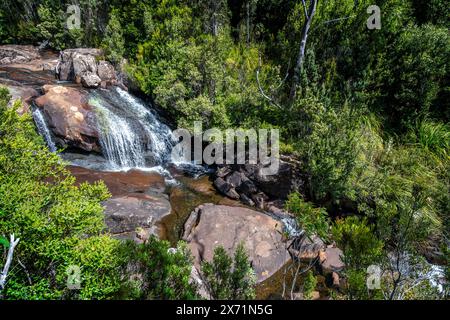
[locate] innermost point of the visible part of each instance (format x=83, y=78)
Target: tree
x=309, y=10
x=59, y=224
x=361, y=248
x=312, y=222
x=113, y=42
x=228, y=278
x=10, y=246
x=153, y=270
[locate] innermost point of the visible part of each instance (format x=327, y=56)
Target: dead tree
x=4, y=274
x=308, y=10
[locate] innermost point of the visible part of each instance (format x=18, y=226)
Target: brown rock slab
x=121, y=183
x=135, y=212
x=69, y=116
x=332, y=261
x=211, y=225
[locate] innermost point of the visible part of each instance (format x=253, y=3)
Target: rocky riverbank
x=236, y=204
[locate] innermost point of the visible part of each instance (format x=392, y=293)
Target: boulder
x=196, y=279
x=335, y=280
x=74, y=63
x=332, y=261
x=226, y=188
x=276, y=186
x=105, y=71
x=212, y=225
x=236, y=178
x=250, y=180
x=70, y=117
x=17, y=54
x=138, y=204
x=90, y=80
x=25, y=94
x=309, y=249
x=83, y=63
x=136, y=215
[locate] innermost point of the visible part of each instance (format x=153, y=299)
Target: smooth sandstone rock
x=212, y=225
x=70, y=117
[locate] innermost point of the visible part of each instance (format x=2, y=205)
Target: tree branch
x=270, y=99
x=12, y=244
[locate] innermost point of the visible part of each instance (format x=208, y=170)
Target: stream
x=134, y=141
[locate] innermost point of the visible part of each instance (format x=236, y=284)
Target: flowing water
x=131, y=136
x=43, y=130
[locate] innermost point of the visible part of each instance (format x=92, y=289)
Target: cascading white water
x=130, y=134
x=160, y=135
x=120, y=144
x=42, y=128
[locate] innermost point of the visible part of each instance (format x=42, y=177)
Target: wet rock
x=90, y=80
x=70, y=117
x=247, y=187
x=223, y=171
x=278, y=185
x=251, y=180
x=235, y=179
x=246, y=200
x=138, y=204
x=122, y=183
x=105, y=71
x=226, y=188
x=214, y=225
x=259, y=200
x=135, y=212
x=332, y=261
x=335, y=280
x=17, y=54
x=308, y=250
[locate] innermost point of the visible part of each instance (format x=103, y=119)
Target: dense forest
x=364, y=110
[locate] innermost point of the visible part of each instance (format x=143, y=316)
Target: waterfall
x=120, y=144
x=42, y=128
x=130, y=134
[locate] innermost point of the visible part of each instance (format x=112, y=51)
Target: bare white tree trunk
x=309, y=12
x=12, y=244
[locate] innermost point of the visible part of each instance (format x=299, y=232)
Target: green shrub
x=228, y=278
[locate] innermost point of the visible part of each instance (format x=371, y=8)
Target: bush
x=228, y=278
x=312, y=220
x=154, y=271
x=59, y=224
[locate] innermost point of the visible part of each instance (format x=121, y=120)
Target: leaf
x=4, y=242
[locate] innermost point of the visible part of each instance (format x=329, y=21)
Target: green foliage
x=369, y=122
x=327, y=142
x=228, y=278
x=432, y=136
x=361, y=248
x=113, y=41
x=4, y=242
x=312, y=220
x=309, y=284
x=411, y=76
x=358, y=242
x=59, y=224
x=157, y=272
